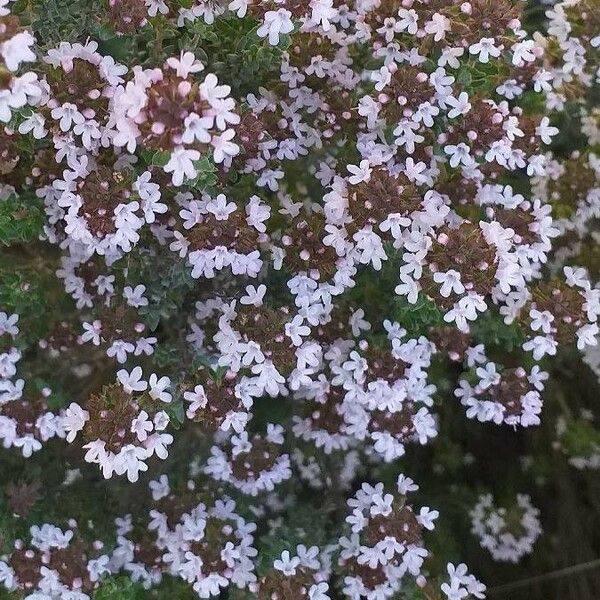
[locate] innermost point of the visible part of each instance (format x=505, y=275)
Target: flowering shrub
x=259, y=259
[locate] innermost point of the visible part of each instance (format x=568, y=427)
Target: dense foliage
x=299, y=299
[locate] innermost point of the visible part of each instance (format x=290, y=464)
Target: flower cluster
x=26, y=421
x=386, y=540
x=511, y=396
x=207, y=545
x=295, y=575
x=16, y=48
x=54, y=564
x=123, y=424
x=308, y=256
x=251, y=464
x=507, y=533
x=461, y=584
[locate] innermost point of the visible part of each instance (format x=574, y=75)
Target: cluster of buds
x=123, y=425
x=116, y=328
x=136, y=554
x=558, y=312
x=78, y=85
x=313, y=473
x=101, y=209
x=387, y=397
x=572, y=186
x=129, y=16
x=218, y=404
x=507, y=533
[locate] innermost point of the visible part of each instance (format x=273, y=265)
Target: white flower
x=295, y=329
x=16, y=50
x=156, y=6
x=459, y=154
x=197, y=128
x=488, y=376
x=540, y=346
x=160, y=488
x=587, y=336
x=131, y=460
x=523, y=52
x=67, y=115
x=408, y=21
x=158, y=388
x=111, y=70
x=34, y=124
x=381, y=505
x=286, y=564
x=460, y=105
x=576, y=276
x=438, y=26
x=274, y=24
x=197, y=400
x=450, y=281
x=220, y=208
x=254, y=296
x=224, y=148
x=414, y=171
x=181, y=164
x=360, y=173
x=132, y=382
x=141, y=426
x=28, y=445
x=485, y=48
x=211, y=90
x=135, y=296
x=405, y=485
x=318, y=591
x=427, y=517
x=545, y=131
x=8, y=324
x=73, y=420
x=185, y=64
x=408, y=288
x=541, y=320
x=92, y=332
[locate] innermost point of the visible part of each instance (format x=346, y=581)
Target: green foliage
x=419, y=317
x=120, y=588
x=28, y=293
x=167, y=282
x=21, y=220
x=207, y=175
x=53, y=21
x=230, y=48
x=301, y=525
x=491, y=330
x=581, y=438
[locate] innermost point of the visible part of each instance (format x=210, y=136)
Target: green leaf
x=21, y=220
